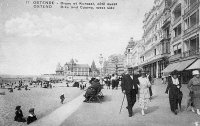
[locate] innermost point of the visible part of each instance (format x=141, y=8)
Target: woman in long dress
x=173, y=88
x=144, y=96
x=194, y=87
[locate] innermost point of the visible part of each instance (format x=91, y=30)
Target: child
x=19, y=115
x=62, y=98
x=32, y=117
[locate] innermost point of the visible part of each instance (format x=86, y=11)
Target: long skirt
x=196, y=100
x=196, y=96
x=173, y=98
x=144, y=98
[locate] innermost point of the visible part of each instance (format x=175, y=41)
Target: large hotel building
x=170, y=39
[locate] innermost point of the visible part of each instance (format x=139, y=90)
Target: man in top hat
x=130, y=88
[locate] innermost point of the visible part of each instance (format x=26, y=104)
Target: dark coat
x=19, y=116
x=174, y=92
x=93, y=89
x=128, y=83
x=31, y=119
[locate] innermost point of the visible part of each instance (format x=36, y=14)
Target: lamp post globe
x=100, y=62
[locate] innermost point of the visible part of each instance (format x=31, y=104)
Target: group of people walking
x=176, y=95
x=112, y=81
x=136, y=84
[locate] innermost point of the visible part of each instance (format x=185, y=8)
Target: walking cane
x=122, y=104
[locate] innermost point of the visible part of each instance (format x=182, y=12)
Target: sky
x=34, y=40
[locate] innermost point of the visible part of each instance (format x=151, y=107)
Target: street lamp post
x=101, y=62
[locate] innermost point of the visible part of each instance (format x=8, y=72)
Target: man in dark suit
x=130, y=88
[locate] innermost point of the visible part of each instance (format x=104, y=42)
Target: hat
x=175, y=72
x=31, y=110
x=96, y=80
x=195, y=72
x=17, y=107
x=142, y=72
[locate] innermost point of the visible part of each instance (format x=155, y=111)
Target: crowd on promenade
x=138, y=86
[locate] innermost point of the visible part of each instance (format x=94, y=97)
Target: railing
x=176, y=56
x=167, y=18
x=176, y=20
x=176, y=38
x=191, y=29
x=167, y=36
x=191, y=53
x=191, y=6
x=152, y=58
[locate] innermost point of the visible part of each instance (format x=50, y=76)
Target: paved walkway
x=77, y=113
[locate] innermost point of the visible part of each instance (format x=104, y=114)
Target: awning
x=180, y=66
x=184, y=64
x=170, y=67
x=195, y=65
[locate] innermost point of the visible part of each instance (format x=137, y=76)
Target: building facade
x=185, y=30
x=114, y=65
x=132, y=54
x=156, y=38
x=94, y=72
x=73, y=69
x=170, y=40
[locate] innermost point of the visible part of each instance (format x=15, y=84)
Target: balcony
x=152, y=59
x=192, y=7
x=167, y=19
x=175, y=57
x=175, y=39
x=177, y=20
x=190, y=53
x=191, y=29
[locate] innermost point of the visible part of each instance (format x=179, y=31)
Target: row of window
x=191, y=44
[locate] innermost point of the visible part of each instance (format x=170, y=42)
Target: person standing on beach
x=62, y=98
x=130, y=89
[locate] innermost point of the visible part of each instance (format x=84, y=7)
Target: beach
x=42, y=99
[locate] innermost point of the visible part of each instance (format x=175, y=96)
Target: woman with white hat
x=194, y=87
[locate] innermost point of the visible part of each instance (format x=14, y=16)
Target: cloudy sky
x=33, y=41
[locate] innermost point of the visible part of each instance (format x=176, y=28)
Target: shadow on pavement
x=152, y=109
x=106, y=98
x=149, y=109
x=153, y=97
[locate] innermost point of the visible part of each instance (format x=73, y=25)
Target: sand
x=43, y=100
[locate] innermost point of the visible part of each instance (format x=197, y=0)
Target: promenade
x=75, y=112
x=107, y=113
